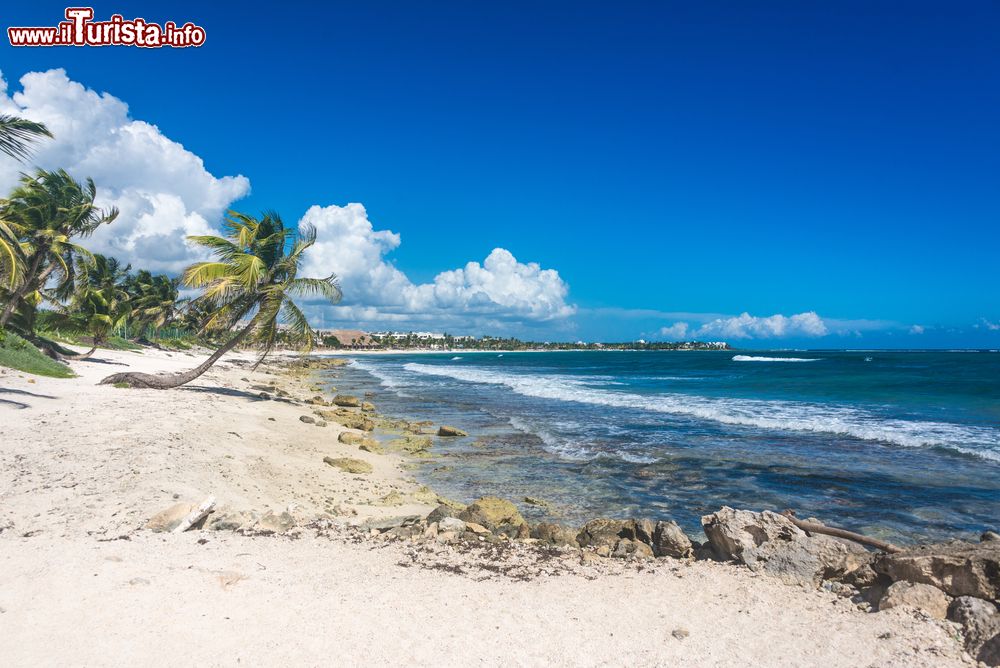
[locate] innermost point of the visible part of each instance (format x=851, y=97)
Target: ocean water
x=903, y=445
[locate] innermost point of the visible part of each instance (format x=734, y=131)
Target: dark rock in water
x=644, y=473
x=924, y=597
x=769, y=543
x=670, y=541
x=440, y=513
x=492, y=513
x=308, y=419
x=980, y=622
x=958, y=568
x=554, y=534
x=989, y=536
x=445, y=430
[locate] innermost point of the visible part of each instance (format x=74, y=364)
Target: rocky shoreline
x=957, y=582
x=321, y=520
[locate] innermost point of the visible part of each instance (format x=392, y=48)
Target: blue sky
x=668, y=166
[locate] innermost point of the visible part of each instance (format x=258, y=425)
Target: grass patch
x=16, y=353
x=60, y=336
x=121, y=385
x=175, y=344
x=118, y=343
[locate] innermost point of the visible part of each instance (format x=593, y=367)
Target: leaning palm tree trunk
x=170, y=380
x=29, y=285
x=79, y=356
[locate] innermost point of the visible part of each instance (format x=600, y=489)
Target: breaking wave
x=982, y=442
x=754, y=358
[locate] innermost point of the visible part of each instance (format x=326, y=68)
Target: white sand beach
x=82, y=582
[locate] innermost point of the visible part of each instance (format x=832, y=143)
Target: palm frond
x=18, y=134
x=201, y=274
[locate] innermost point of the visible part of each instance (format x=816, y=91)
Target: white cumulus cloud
x=746, y=326
x=164, y=193
x=163, y=190
x=499, y=288
x=675, y=332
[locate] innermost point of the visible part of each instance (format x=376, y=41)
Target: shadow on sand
x=20, y=405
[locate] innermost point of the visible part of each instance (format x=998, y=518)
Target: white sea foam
x=571, y=448
x=762, y=414
x=386, y=378
x=754, y=358
x=552, y=443
x=455, y=358
x=637, y=459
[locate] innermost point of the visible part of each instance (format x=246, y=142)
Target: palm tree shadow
x=224, y=391
x=25, y=393
x=15, y=404
x=20, y=405
x=99, y=360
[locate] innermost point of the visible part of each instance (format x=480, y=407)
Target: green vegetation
x=248, y=287
x=18, y=134
x=54, y=291
x=430, y=341
x=16, y=353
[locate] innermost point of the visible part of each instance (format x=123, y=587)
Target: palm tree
x=249, y=286
x=17, y=135
x=11, y=255
x=155, y=301
x=99, y=303
x=49, y=209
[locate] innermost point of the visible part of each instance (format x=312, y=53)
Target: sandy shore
x=83, y=467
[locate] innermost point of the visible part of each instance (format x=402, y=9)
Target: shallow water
x=904, y=445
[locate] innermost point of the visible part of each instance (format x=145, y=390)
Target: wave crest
x=756, y=413
x=754, y=358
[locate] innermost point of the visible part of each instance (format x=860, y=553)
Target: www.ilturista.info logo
x=79, y=29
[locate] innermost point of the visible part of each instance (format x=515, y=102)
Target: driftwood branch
x=841, y=533
x=196, y=515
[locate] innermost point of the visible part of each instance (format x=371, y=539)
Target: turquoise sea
x=904, y=445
